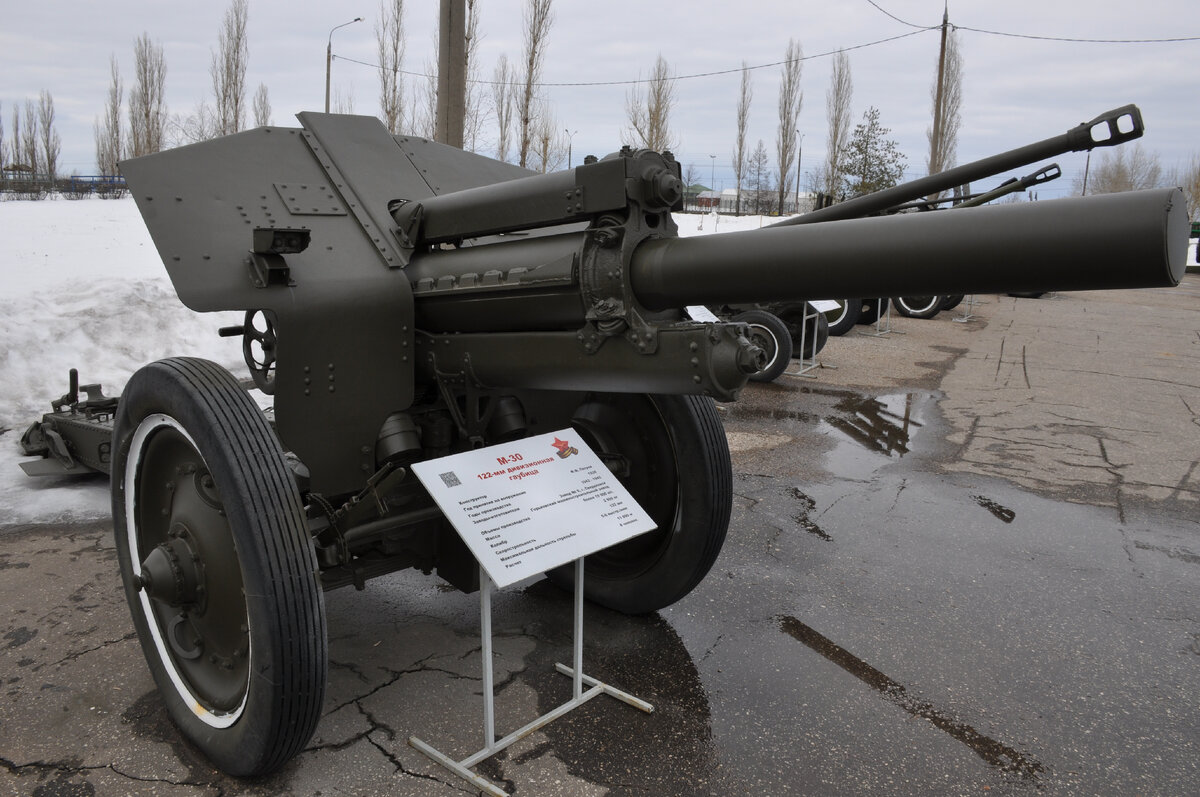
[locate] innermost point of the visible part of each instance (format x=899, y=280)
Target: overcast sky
x=1017, y=89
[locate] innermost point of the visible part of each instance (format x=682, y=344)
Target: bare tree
x=228, y=69
x=503, y=98
x=946, y=94
x=147, y=99
x=790, y=100
x=15, y=148
x=548, y=151
x=200, y=125
x=31, y=152
x=743, y=121
x=422, y=111
x=538, y=19
x=343, y=101
x=3, y=148
x=1122, y=169
x=51, y=144
x=837, y=115
x=390, y=39
x=474, y=112
x=108, y=130
x=1189, y=180
x=262, y=106
x=649, y=112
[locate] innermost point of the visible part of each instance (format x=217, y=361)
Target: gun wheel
x=919, y=306
x=771, y=335
x=217, y=566
x=952, y=301
x=872, y=310
x=670, y=452
x=843, y=319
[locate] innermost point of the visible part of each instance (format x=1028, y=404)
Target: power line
x=677, y=77
x=1075, y=40
x=717, y=73
x=887, y=13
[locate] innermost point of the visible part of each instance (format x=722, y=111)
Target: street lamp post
x=570, y=140
x=329, y=56
x=711, y=176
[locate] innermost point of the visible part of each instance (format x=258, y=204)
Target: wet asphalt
x=963, y=562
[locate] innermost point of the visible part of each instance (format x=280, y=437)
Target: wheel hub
x=173, y=572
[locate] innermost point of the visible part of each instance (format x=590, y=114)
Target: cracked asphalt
x=963, y=561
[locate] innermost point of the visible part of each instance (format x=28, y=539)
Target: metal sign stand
x=808, y=363
x=883, y=322
x=968, y=311
x=579, y=696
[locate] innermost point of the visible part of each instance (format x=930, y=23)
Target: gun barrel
x=1106, y=130
x=1128, y=240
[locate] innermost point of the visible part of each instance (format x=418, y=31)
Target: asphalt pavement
x=963, y=560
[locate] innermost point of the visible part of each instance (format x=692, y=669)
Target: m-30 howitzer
x=405, y=300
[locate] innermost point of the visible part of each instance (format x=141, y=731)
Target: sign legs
x=490, y=745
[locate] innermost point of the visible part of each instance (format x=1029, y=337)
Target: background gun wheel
x=671, y=454
x=770, y=334
x=950, y=302
x=217, y=566
x=872, y=310
x=918, y=306
x=843, y=319
x=816, y=329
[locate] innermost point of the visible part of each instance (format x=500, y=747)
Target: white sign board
x=534, y=504
x=825, y=305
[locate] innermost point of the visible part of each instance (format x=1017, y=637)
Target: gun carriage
x=405, y=300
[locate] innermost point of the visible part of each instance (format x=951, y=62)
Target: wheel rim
x=920, y=304
x=835, y=317
x=634, y=443
x=761, y=336
x=185, y=566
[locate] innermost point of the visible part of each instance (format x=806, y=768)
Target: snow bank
x=81, y=286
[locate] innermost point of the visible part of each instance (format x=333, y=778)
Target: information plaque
x=531, y=505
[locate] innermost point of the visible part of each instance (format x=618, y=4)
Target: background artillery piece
x=406, y=300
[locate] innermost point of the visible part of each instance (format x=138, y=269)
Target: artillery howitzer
x=405, y=300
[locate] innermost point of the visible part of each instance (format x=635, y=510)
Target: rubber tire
x=872, y=310
x=950, y=302
x=769, y=333
x=918, y=306
x=287, y=657
x=845, y=317
x=678, y=470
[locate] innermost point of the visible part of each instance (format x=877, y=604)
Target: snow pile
x=81, y=286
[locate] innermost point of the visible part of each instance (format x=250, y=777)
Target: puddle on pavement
x=871, y=431
x=868, y=431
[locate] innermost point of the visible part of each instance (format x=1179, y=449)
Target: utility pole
x=935, y=149
x=452, y=72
